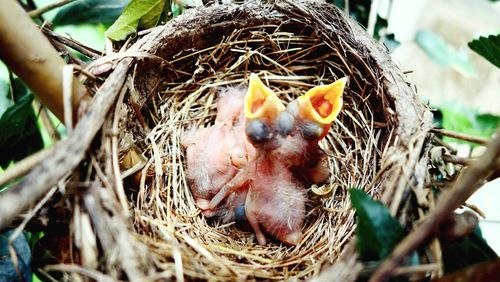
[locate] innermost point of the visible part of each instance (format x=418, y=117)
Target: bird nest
x=172, y=86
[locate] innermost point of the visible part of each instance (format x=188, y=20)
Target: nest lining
x=291, y=57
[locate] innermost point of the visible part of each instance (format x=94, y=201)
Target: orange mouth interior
x=322, y=104
x=260, y=101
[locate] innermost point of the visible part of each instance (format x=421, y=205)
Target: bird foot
x=294, y=238
x=203, y=204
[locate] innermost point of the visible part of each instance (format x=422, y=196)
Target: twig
x=417, y=269
x=115, y=235
x=444, y=144
x=457, y=160
x=67, y=154
x=85, y=72
x=476, y=210
x=47, y=122
x=438, y=184
x=24, y=166
x=40, y=11
x=119, y=190
x=67, y=76
x=461, y=136
x=94, y=275
x=78, y=46
x=63, y=51
x=448, y=202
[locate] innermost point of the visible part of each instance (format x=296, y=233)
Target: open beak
x=262, y=108
x=322, y=104
x=260, y=101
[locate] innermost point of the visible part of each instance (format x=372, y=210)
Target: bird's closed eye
x=258, y=131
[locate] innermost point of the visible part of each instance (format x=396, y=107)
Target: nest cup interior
x=290, y=58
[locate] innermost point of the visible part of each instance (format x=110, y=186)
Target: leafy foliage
x=8, y=271
x=468, y=251
x=488, y=48
x=359, y=10
x=20, y=135
x=138, y=14
x=90, y=12
x=377, y=232
x=442, y=53
x=468, y=121
x=5, y=102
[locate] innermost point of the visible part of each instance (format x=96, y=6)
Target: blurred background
x=427, y=39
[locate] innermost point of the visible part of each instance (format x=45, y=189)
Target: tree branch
x=450, y=200
x=65, y=155
x=29, y=54
x=40, y=11
x=461, y=136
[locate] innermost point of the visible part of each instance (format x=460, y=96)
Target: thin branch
x=24, y=166
x=460, y=136
x=63, y=51
x=450, y=200
x=444, y=144
x=78, y=46
x=67, y=154
x=417, y=269
x=40, y=11
x=457, y=160
x=30, y=55
x=73, y=268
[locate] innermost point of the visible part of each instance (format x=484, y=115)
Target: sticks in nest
x=66, y=154
x=449, y=201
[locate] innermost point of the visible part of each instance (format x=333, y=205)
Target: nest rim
x=393, y=87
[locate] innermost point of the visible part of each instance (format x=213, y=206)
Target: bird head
x=314, y=112
x=262, y=109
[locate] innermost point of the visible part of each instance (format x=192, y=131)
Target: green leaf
x=443, y=54
x=5, y=102
x=377, y=232
x=488, y=48
x=19, y=136
x=468, y=121
x=468, y=251
x=89, y=34
x=137, y=14
x=90, y=12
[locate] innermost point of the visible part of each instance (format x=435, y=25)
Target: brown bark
x=29, y=54
x=65, y=155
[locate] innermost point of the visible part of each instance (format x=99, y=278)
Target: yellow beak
x=260, y=101
x=322, y=104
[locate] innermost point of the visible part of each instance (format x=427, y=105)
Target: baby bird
x=216, y=154
x=312, y=115
x=276, y=198
x=254, y=161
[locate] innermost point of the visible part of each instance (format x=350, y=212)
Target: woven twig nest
x=375, y=144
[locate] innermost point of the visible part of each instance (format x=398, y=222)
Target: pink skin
x=226, y=171
x=275, y=202
x=215, y=154
x=313, y=169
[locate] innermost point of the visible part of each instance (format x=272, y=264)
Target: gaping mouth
x=260, y=101
x=322, y=104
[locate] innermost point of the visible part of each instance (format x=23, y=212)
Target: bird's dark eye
x=258, y=131
x=285, y=122
x=311, y=130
